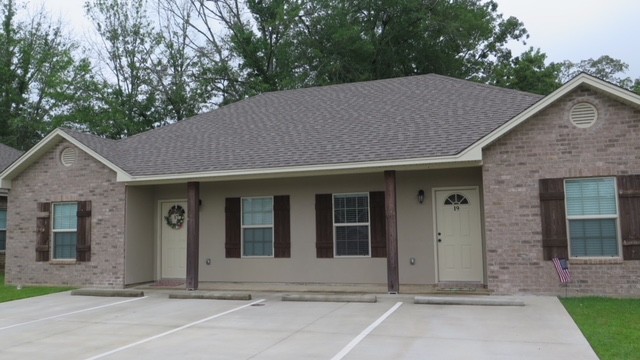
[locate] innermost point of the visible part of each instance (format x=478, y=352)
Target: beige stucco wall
x=140, y=236
x=47, y=180
x=415, y=228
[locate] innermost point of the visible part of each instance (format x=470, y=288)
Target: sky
x=580, y=29
x=564, y=29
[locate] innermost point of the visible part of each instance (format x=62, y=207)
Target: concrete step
x=468, y=300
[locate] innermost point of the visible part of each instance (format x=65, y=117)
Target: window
x=351, y=224
x=456, y=199
x=3, y=229
x=592, y=217
x=65, y=230
x=257, y=226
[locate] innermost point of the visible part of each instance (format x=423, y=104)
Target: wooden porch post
x=193, y=234
x=393, y=277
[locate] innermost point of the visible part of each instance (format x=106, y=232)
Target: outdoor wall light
x=420, y=196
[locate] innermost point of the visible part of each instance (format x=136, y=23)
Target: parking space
x=61, y=326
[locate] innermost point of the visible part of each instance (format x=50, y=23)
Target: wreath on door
x=175, y=217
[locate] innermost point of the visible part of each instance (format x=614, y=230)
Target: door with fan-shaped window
x=458, y=235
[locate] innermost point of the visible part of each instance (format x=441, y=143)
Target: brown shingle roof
x=394, y=119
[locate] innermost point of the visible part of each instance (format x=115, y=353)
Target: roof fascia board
x=582, y=79
x=302, y=171
x=43, y=146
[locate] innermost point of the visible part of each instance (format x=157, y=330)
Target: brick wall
x=549, y=146
x=3, y=206
x=47, y=180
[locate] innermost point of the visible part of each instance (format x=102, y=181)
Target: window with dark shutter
x=43, y=225
x=629, y=205
x=83, y=246
x=378, y=224
x=64, y=225
x=324, y=225
x=282, y=231
x=553, y=219
x=232, y=228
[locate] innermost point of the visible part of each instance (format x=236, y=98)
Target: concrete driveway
x=62, y=326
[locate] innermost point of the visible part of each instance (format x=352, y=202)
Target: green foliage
x=159, y=67
x=249, y=47
x=611, y=326
x=528, y=72
x=364, y=40
x=40, y=76
x=153, y=77
x=605, y=68
x=9, y=293
x=128, y=38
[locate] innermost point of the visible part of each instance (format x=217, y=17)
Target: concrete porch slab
x=108, y=292
x=468, y=300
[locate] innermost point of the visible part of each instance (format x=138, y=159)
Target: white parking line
x=71, y=313
x=172, y=331
x=347, y=349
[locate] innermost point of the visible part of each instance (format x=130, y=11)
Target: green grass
x=8, y=292
x=612, y=326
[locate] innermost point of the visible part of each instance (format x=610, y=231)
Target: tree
x=528, y=72
x=254, y=46
x=153, y=76
x=40, y=76
x=605, y=68
x=179, y=73
x=248, y=46
x=364, y=39
x=128, y=42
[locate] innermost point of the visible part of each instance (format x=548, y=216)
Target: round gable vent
x=68, y=156
x=583, y=115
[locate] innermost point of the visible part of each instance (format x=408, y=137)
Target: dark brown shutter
x=281, y=223
x=83, y=246
x=629, y=206
x=378, y=224
x=43, y=226
x=232, y=228
x=324, y=225
x=553, y=219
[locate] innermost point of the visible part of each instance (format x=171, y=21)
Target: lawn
x=8, y=292
x=612, y=326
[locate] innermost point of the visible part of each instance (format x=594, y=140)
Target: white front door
x=458, y=235
x=174, y=239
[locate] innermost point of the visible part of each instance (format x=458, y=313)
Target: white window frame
x=54, y=231
x=335, y=226
x=2, y=251
x=243, y=226
x=616, y=217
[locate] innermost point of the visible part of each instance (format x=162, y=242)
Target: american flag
x=562, y=267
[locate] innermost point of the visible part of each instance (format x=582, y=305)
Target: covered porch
x=417, y=208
